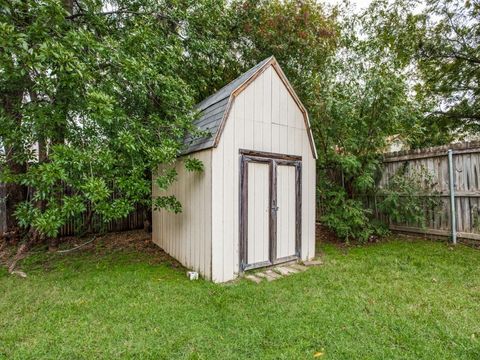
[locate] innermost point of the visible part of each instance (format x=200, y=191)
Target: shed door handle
x=275, y=208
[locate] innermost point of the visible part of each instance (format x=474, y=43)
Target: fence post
x=452, y=196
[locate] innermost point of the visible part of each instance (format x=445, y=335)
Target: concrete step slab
x=313, y=263
x=273, y=274
x=265, y=276
x=282, y=271
x=292, y=269
x=299, y=267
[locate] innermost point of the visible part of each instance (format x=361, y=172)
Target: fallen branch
x=21, y=254
x=19, y=273
x=77, y=247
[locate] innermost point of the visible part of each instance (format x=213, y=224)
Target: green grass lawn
x=395, y=300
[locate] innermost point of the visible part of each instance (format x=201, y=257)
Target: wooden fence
x=466, y=175
x=75, y=226
x=135, y=220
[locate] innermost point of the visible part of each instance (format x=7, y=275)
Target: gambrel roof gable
x=215, y=108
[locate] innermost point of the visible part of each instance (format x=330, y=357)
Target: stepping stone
x=283, y=271
x=313, y=263
x=273, y=274
x=253, y=278
x=265, y=276
x=292, y=269
x=298, y=267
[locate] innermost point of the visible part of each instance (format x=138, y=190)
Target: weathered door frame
x=273, y=160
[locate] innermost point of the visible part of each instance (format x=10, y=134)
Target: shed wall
x=263, y=117
x=187, y=236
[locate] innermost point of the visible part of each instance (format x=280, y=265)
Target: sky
x=360, y=4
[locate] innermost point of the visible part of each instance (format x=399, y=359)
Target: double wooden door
x=270, y=208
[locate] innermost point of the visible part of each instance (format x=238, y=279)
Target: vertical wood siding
x=263, y=117
x=187, y=236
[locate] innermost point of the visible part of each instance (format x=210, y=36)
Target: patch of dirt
x=10, y=254
x=137, y=241
x=12, y=237
x=134, y=240
x=324, y=235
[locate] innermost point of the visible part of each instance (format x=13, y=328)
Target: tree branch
x=455, y=56
x=172, y=22
x=453, y=115
x=122, y=12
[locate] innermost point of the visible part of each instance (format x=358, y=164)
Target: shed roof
x=214, y=109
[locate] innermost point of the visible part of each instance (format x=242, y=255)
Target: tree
x=365, y=98
x=105, y=90
x=356, y=90
x=302, y=35
x=101, y=92
x=449, y=61
x=438, y=41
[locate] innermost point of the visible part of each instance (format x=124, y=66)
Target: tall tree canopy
x=100, y=88
x=438, y=42
x=95, y=94
x=403, y=67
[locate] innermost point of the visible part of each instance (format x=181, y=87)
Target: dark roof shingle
x=212, y=110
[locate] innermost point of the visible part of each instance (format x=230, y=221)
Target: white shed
x=254, y=203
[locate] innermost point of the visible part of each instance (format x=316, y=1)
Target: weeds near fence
x=408, y=196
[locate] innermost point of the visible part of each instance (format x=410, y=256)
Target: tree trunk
x=147, y=210
x=15, y=194
x=15, y=163
x=147, y=216
x=42, y=152
x=68, y=4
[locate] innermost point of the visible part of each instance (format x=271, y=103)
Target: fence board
x=135, y=220
x=466, y=163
